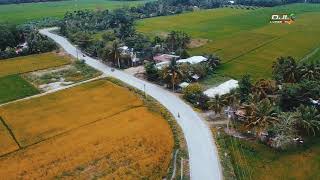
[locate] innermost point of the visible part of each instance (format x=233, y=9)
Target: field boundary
x=310, y=54
x=10, y=132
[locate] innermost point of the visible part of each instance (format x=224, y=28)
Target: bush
x=194, y=94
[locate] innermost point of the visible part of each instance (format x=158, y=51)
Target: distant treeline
x=23, y=1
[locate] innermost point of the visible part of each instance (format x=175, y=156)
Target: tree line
x=12, y=36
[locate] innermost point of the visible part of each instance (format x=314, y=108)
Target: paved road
x=204, y=162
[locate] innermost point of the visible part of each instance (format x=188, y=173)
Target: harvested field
x=96, y=130
x=30, y=63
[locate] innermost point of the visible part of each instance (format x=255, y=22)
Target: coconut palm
x=264, y=88
x=259, y=116
x=308, y=119
x=285, y=70
x=216, y=104
x=310, y=72
x=232, y=98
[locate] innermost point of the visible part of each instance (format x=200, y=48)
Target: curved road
x=203, y=155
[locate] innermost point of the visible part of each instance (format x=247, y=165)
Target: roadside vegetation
x=272, y=125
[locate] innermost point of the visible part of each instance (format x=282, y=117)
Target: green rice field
x=19, y=13
x=245, y=39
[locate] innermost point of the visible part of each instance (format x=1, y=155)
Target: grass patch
x=252, y=160
x=20, y=13
x=15, y=87
x=244, y=39
x=98, y=129
x=30, y=63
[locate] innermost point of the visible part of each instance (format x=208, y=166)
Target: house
x=129, y=52
x=222, y=89
x=190, y=60
x=21, y=47
x=164, y=58
x=193, y=60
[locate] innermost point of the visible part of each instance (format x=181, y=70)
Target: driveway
x=203, y=155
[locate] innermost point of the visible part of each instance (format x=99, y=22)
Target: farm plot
x=15, y=87
x=30, y=63
x=244, y=39
x=94, y=130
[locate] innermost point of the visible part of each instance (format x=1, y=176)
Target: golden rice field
x=96, y=130
x=30, y=63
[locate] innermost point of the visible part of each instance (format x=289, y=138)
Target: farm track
x=251, y=50
x=60, y=134
x=203, y=154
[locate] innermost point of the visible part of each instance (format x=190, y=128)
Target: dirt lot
x=94, y=130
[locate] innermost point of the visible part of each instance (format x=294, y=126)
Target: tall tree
x=115, y=53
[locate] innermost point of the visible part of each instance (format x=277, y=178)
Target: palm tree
x=216, y=104
x=264, y=88
x=308, y=119
x=213, y=60
x=310, y=72
x=285, y=70
x=260, y=116
x=172, y=73
x=232, y=98
x=115, y=52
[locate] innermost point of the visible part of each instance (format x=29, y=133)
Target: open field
x=90, y=131
x=30, y=63
x=252, y=160
x=19, y=13
x=244, y=39
x=14, y=87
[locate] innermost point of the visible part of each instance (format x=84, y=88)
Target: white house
x=190, y=60
x=193, y=60
x=222, y=89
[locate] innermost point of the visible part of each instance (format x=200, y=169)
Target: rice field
x=20, y=13
x=14, y=87
x=30, y=63
x=95, y=130
x=244, y=39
